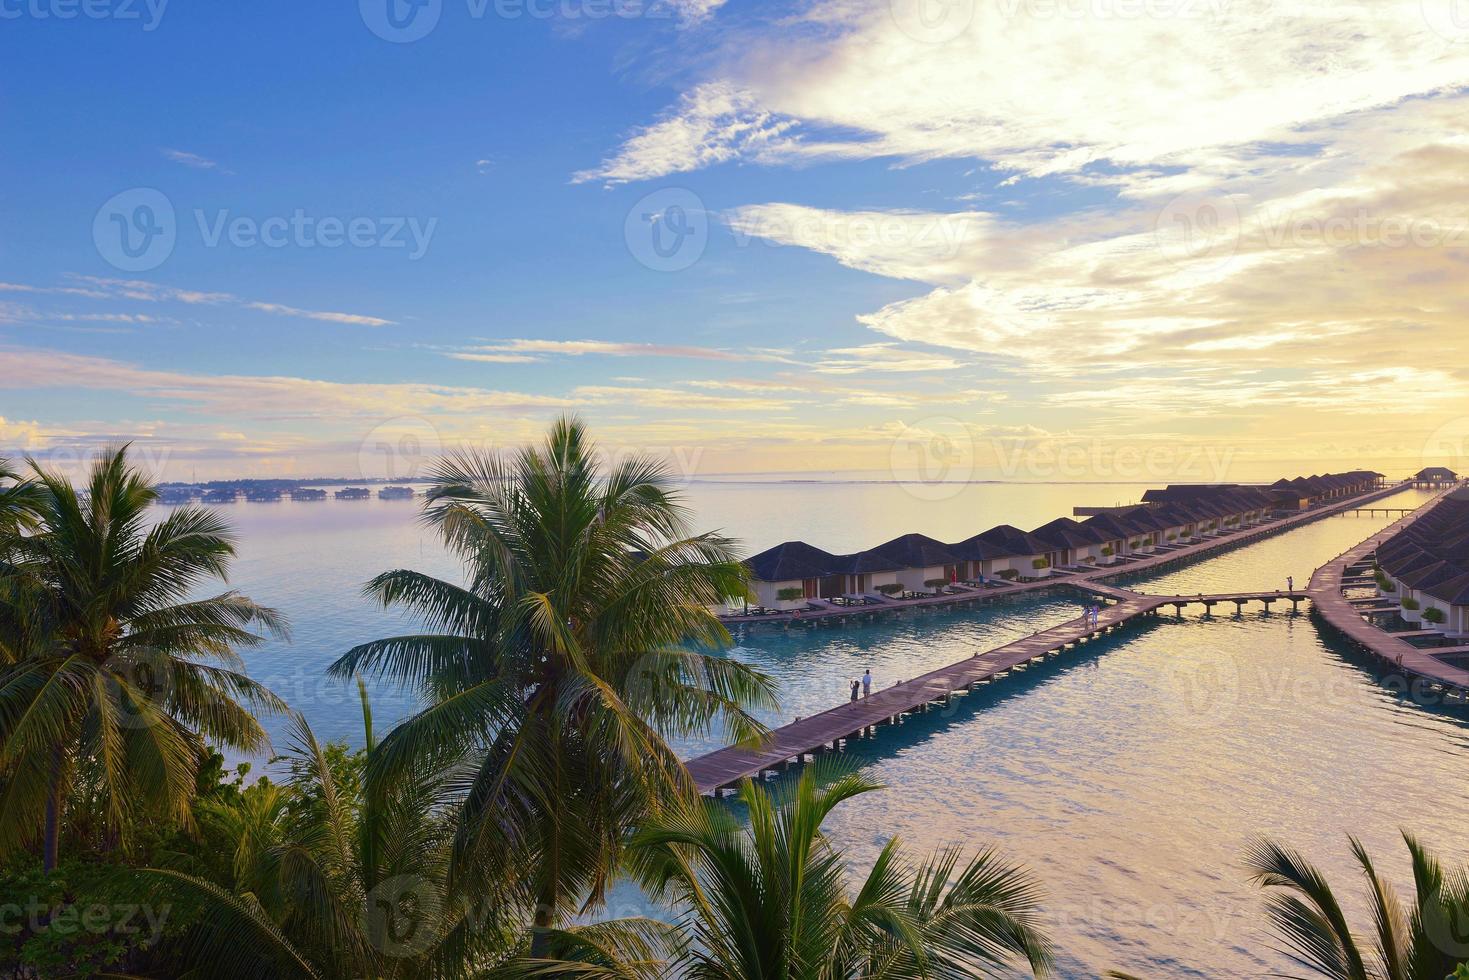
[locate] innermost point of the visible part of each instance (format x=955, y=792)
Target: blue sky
x=906, y=239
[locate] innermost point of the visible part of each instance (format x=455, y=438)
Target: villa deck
x=1347, y=617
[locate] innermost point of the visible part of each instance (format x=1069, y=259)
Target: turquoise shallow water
x=1130, y=775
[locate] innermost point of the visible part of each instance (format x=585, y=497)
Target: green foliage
x=331, y=873
x=1385, y=584
x=1039, y=563
x=773, y=898
x=81, y=919
x=1434, y=615
x=1410, y=941
x=113, y=670
x=1410, y=603
x=786, y=595
x=935, y=583
x=1008, y=574
x=553, y=676
x=889, y=588
x=1108, y=551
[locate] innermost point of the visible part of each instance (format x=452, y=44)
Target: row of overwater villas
x=1426, y=567
x=792, y=574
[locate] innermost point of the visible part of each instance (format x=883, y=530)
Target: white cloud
x=193, y=160
x=1046, y=87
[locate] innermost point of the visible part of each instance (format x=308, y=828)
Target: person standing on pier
x=855, y=687
x=867, y=682
x=1290, y=583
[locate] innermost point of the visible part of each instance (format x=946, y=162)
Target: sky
x=1019, y=239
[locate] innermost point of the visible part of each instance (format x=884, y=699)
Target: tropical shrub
x=1039, y=563
x=1410, y=603
x=935, y=583
x=889, y=588
x=1008, y=574
x=1434, y=615
x=786, y=595
x=772, y=896
x=1108, y=551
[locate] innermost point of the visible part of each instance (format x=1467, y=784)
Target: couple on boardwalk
x=1091, y=616
x=864, y=685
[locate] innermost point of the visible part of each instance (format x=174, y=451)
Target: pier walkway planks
x=792, y=742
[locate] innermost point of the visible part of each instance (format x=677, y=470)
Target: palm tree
x=18, y=501
x=107, y=663
x=562, y=664
x=773, y=901
x=1423, y=941
x=333, y=876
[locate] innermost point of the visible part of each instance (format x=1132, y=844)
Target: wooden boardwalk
x=791, y=743
x=1346, y=616
x=1178, y=554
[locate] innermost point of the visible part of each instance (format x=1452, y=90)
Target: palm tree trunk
x=52, y=852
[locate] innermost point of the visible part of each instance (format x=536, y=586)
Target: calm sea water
x=1129, y=776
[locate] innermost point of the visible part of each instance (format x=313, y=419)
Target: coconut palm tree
x=18, y=501
x=333, y=876
x=773, y=901
x=1424, y=940
x=110, y=663
x=572, y=650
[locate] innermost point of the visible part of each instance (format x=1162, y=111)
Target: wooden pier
x=791, y=744
x=805, y=738
x=1352, y=617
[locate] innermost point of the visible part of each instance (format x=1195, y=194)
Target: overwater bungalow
x=919, y=562
x=1121, y=534
x=1426, y=567
x=795, y=574
x=1021, y=555
x=1070, y=542
x=864, y=573
x=1435, y=476
x=263, y=495
x=985, y=559
x=790, y=575
x=353, y=493
x=395, y=493
x=308, y=493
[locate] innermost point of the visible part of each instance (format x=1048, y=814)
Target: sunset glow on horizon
x=983, y=239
